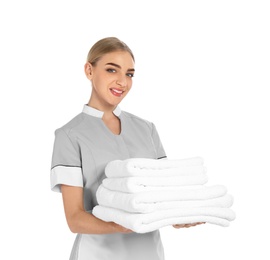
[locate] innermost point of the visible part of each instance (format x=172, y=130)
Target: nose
x=121, y=81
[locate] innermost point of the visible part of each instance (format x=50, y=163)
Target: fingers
x=122, y=229
x=187, y=225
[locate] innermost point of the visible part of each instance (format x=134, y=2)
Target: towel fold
x=142, y=184
x=146, y=194
x=147, y=222
x=225, y=201
x=149, y=167
x=153, y=200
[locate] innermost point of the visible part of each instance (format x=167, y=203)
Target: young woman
x=82, y=148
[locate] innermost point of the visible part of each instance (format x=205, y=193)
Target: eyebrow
x=118, y=66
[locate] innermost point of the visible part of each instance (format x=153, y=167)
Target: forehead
x=122, y=58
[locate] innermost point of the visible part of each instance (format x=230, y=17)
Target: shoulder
x=136, y=119
x=72, y=126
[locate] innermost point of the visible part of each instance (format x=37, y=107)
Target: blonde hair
x=104, y=46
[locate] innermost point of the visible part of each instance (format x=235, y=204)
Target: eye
x=111, y=70
x=131, y=75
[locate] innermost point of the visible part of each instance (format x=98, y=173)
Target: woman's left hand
x=187, y=225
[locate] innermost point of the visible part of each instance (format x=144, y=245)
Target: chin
x=116, y=102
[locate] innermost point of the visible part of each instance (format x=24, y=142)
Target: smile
x=116, y=92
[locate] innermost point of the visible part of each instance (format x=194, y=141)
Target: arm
x=80, y=221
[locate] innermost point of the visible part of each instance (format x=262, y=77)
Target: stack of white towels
x=146, y=194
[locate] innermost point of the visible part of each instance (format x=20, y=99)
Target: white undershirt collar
x=97, y=113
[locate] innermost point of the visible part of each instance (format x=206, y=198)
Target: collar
x=97, y=113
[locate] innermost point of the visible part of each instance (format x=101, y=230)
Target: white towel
x=149, y=167
x=142, y=223
x=225, y=201
x=142, y=184
x=152, y=200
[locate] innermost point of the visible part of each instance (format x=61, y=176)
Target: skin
x=111, y=80
x=113, y=72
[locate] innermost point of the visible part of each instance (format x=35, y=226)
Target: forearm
x=80, y=221
x=86, y=223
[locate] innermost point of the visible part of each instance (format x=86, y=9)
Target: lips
x=116, y=92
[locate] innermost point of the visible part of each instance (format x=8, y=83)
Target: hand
x=187, y=225
x=121, y=229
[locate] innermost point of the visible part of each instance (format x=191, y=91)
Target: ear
x=88, y=70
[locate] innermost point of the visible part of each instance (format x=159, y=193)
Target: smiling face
x=111, y=78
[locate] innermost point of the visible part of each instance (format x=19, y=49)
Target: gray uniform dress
x=82, y=148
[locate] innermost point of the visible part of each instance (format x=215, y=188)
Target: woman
x=83, y=147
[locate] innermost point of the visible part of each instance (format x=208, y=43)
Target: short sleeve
x=66, y=167
x=157, y=143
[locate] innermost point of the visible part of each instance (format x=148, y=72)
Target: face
x=111, y=79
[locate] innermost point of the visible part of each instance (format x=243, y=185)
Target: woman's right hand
x=120, y=229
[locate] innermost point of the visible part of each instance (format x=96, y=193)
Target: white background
x=202, y=76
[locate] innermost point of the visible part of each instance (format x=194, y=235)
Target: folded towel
x=141, y=184
x=142, y=223
x=225, y=201
x=150, y=167
x=151, y=200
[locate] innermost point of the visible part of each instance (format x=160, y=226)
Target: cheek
x=100, y=82
x=108, y=79
x=130, y=82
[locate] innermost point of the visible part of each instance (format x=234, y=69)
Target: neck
x=107, y=109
